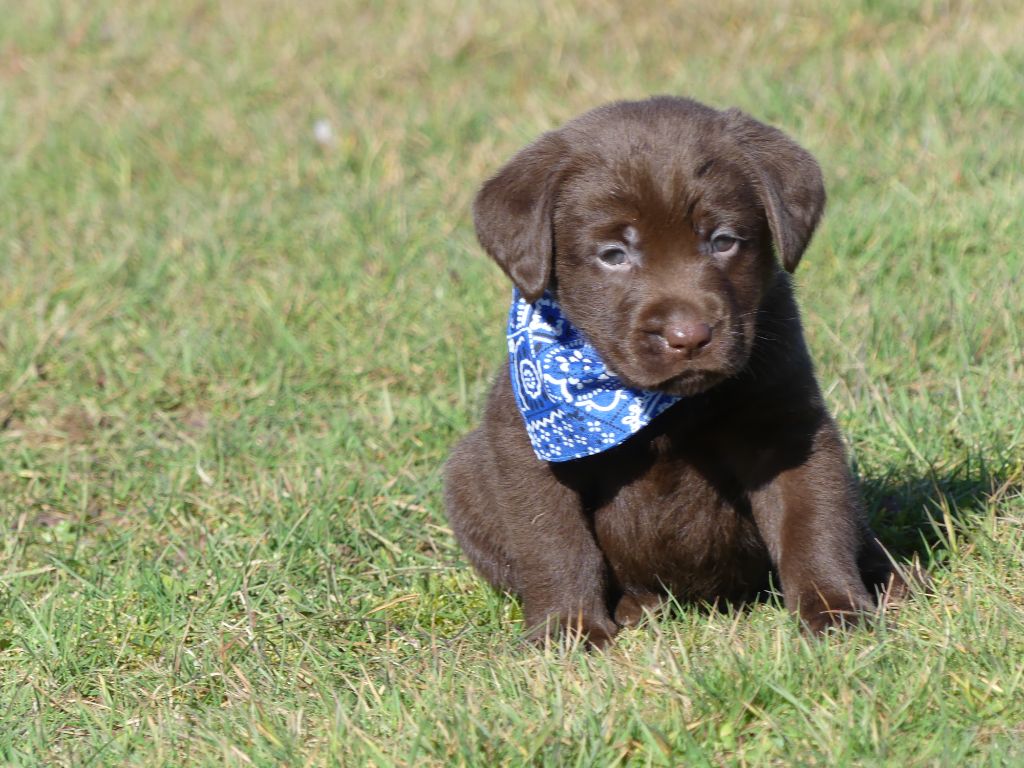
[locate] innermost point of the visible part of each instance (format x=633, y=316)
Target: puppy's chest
x=675, y=483
x=678, y=487
x=669, y=525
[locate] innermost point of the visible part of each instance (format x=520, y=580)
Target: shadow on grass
x=915, y=512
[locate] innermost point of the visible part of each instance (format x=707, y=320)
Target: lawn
x=243, y=318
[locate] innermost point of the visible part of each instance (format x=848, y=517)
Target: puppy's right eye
x=612, y=257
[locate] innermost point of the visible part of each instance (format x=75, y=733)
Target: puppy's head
x=659, y=225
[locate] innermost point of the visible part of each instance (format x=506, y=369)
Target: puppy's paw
x=903, y=582
x=594, y=632
x=821, y=612
x=632, y=608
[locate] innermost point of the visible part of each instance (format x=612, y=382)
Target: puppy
x=659, y=429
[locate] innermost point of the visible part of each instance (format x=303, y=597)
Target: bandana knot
x=573, y=406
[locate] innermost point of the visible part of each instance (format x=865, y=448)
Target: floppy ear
x=513, y=214
x=789, y=183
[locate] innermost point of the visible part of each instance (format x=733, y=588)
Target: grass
x=233, y=359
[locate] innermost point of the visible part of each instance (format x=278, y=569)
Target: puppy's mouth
x=691, y=382
x=683, y=378
x=649, y=365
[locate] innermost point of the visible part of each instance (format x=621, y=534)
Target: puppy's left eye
x=724, y=243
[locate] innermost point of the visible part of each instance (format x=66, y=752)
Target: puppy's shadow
x=914, y=512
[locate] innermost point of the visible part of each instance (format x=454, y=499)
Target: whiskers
x=767, y=345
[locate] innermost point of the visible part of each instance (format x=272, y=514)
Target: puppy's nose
x=688, y=338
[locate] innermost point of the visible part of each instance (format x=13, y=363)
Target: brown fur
x=747, y=474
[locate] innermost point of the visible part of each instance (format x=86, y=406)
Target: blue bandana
x=572, y=404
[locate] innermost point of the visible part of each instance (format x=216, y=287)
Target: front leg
x=524, y=529
x=526, y=532
x=563, y=577
x=810, y=518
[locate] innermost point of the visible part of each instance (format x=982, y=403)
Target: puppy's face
x=662, y=264
x=654, y=223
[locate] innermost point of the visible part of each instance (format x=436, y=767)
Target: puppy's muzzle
x=687, y=339
x=679, y=337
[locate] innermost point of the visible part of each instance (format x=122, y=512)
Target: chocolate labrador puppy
x=659, y=428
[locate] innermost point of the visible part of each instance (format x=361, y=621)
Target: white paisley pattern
x=573, y=406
